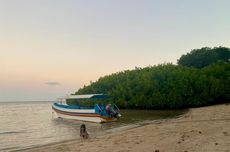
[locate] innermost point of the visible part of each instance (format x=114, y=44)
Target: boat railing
x=116, y=107
x=99, y=107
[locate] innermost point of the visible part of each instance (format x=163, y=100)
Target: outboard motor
x=115, y=114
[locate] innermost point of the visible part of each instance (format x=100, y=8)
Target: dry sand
x=205, y=129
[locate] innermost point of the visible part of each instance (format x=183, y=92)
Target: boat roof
x=86, y=96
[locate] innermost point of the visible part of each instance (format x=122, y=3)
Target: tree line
x=168, y=85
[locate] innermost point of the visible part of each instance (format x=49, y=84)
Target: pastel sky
x=50, y=48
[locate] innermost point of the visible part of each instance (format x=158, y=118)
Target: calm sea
x=29, y=124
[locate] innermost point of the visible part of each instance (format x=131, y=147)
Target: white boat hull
x=81, y=118
x=80, y=115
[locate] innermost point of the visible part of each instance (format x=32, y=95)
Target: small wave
x=11, y=132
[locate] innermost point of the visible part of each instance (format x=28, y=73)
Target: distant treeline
x=203, y=81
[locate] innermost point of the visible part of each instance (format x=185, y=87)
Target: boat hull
x=88, y=115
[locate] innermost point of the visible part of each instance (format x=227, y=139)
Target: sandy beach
x=203, y=129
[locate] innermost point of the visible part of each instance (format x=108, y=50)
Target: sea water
x=31, y=124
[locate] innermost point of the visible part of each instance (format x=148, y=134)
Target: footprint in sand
x=183, y=137
x=137, y=135
x=225, y=133
x=124, y=151
x=115, y=142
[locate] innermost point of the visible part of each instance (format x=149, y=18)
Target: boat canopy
x=87, y=96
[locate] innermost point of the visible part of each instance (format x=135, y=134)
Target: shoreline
x=107, y=132
x=200, y=129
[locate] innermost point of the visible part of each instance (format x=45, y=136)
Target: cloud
x=53, y=83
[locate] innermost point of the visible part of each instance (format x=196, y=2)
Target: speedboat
x=90, y=107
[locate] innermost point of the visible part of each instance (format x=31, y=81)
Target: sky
x=50, y=48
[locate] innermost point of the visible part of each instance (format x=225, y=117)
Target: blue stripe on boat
x=70, y=106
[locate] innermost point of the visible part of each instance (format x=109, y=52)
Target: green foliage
x=165, y=86
x=200, y=58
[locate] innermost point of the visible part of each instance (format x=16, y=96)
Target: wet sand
x=205, y=129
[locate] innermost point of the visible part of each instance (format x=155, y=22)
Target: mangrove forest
x=200, y=77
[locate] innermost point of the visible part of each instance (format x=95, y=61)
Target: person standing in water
x=108, y=108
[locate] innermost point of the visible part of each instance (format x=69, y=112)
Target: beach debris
x=216, y=143
x=200, y=132
x=157, y=150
